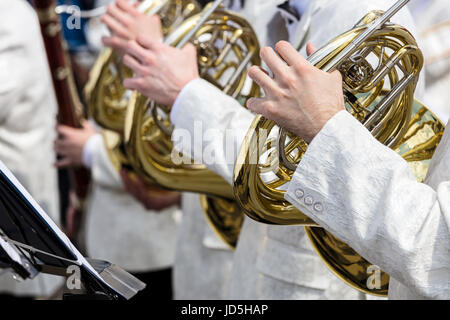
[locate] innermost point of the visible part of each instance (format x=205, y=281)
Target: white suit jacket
x=203, y=263
x=118, y=228
x=27, y=121
x=271, y=262
x=432, y=18
x=370, y=199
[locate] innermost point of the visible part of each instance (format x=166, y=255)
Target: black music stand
x=30, y=242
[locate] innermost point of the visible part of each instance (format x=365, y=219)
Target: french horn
x=227, y=47
x=105, y=94
x=380, y=63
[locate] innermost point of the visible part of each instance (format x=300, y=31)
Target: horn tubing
x=202, y=20
x=374, y=26
x=238, y=71
x=146, y=4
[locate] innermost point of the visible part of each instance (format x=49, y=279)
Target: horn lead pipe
x=374, y=26
x=202, y=20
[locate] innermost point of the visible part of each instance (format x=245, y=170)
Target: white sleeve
x=102, y=170
x=89, y=150
x=13, y=74
x=209, y=126
x=366, y=195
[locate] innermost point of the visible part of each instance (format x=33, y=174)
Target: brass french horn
x=105, y=94
x=380, y=63
x=227, y=46
x=107, y=98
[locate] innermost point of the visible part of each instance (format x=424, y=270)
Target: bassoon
x=70, y=108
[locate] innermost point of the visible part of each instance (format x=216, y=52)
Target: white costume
x=271, y=262
x=118, y=228
x=203, y=263
x=380, y=210
x=27, y=121
x=433, y=24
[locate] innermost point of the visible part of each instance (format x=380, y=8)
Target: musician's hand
x=299, y=97
x=70, y=143
x=161, y=71
x=151, y=200
x=125, y=23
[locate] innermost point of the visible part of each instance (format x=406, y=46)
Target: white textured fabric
x=221, y=131
x=215, y=260
x=95, y=29
x=202, y=263
x=89, y=149
x=260, y=269
x=27, y=121
x=432, y=17
x=371, y=201
x=119, y=229
x=268, y=263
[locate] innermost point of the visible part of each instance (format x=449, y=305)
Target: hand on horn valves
x=299, y=97
x=126, y=23
x=161, y=71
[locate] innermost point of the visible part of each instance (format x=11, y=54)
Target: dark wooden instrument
x=70, y=108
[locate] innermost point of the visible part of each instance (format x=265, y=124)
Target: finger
x=88, y=127
x=64, y=130
x=144, y=56
x=337, y=75
x=63, y=163
x=115, y=26
x=115, y=43
x=266, y=72
x=147, y=42
x=128, y=7
x=256, y=105
x=134, y=84
x=86, y=124
x=190, y=49
x=60, y=147
x=135, y=65
x=119, y=15
x=289, y=54
x=310, y=49
x=262, y=78
x=273, y=61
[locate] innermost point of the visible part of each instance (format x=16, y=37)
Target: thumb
x=190, y=49
x=337, y=75
x=310, y=49
x=85, y=124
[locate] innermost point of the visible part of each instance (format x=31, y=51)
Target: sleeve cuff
x=89, y=149
x=303, y=190
x=177, y=106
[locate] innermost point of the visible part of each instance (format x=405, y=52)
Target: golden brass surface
x=105, y=94
x=227, y=46
x=107, y=98
x=379, y=80
x=224, y=217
